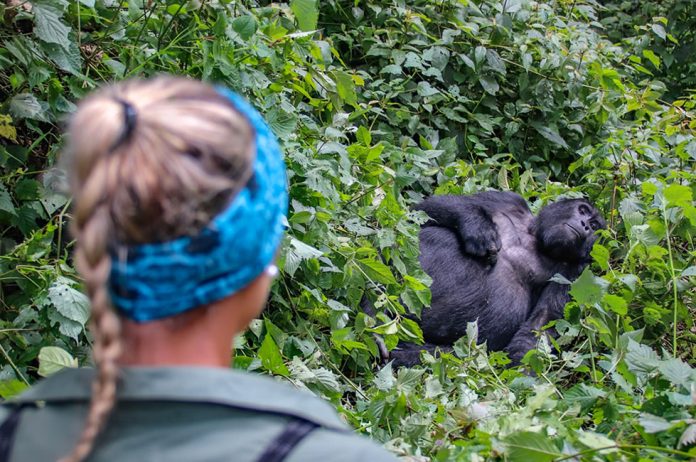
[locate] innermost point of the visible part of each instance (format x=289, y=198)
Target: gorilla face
x=565, y=230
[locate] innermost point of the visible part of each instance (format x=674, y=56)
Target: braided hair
x=150, y=160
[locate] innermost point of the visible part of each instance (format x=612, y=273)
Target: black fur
x=491, y=260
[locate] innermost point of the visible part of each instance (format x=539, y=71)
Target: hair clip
x=130, y=117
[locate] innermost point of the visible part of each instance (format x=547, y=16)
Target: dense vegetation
x=378, y=104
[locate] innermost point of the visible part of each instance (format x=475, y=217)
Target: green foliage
x=378, y=104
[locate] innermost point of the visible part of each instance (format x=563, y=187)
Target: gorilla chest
x=518, y=258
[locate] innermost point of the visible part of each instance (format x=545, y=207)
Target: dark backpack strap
x=281, y=446
x=7, y=433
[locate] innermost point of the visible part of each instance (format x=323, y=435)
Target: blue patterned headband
x=159, y=280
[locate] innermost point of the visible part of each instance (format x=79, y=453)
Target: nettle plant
x=377, y=105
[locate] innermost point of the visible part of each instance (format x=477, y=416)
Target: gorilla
x=491, y=260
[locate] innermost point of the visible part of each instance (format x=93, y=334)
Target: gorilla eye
x=594, y=224
x=583, y=209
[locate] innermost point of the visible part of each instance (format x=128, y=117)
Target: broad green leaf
x=346, y=87
x=245, y=26
x=595, y=440
x=652, y=57
x=530, y=447
x=659, y=31
x=550, y=133
x=616, y=304
x=376, y=271
x=678, y=195
x=26, y=106
x=69, y=302
x=49, y=25
x=6, y=204
x=52, y=359
x=270, y=356
x=495, y=61
x=677, y=371
x=282, y=123
x=306, y=13
x=587, y=290
x=490, y=84
x=10, y=388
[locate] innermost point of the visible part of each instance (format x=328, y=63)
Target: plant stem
x=675, y=295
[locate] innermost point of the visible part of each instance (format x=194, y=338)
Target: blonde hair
x=185, y=155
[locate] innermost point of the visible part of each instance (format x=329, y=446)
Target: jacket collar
x=225, y=387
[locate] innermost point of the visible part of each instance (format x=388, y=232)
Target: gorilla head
x=565, y=230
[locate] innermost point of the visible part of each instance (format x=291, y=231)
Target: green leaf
x=245, y=26
x=48, y=24
x=6, y=204
x=677, y=371
x=479, y=54
x=659, y=31
x=597, y=441
x=530, y=447
x=10, y=388
x=69, y=302
x=346, y=87
x=495, y=61
x=678, y=195
x=282, y=123
x=52, y=359
x=489, y=84
x=652, y=57
x=306, y=13
x=26, y=106
x=377, y=271
x=550, y=133
x=616, y=304
x=587, y=289
x=270, y=356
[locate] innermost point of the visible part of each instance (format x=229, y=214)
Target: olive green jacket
x=182, y=414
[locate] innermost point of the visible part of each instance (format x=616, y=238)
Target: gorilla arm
x=549, y=306
x=469, y=218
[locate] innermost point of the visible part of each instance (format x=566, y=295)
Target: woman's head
x=165, y=173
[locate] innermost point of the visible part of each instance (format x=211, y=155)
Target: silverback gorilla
x=491, y=260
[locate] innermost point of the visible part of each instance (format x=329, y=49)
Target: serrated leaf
x=282, y=123
x=530, y=447
x=377, y=271
x=597, y=441
x=384, y=379
x=688, y=437
x=653, y=424
x=306, y=13
x=678, y=195
x=677, y=371
x=586, y=289
x=52, y=359
x=69, y=302
x=584, y=395
x=641, y=358
x=26, y=106
x=48, y=24
x=550, y=133
x=6, y=204
x=270, y=357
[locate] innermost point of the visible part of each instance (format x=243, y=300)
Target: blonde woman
x=180, y=193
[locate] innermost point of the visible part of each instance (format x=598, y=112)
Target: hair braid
x=173, y=171
x=92, y=228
